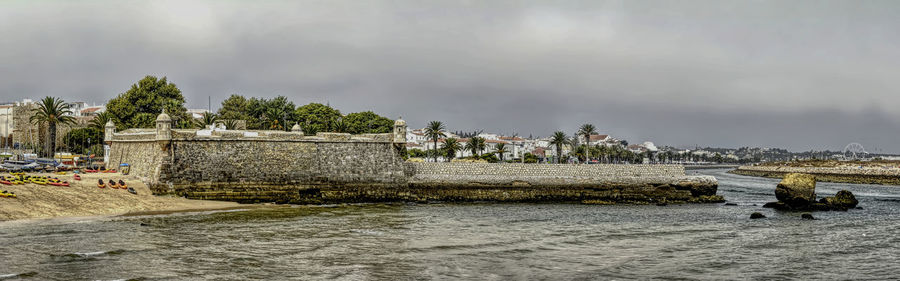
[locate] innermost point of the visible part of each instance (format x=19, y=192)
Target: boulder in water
x=796, y=190
x=757, y=215
x=807, y=216
x=843, y=198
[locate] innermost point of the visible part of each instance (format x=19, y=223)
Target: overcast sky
x=793, y=74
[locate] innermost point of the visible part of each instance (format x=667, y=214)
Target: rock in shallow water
x=807, y=216
x=757, y=215
x=796, y=189
x=843, y=199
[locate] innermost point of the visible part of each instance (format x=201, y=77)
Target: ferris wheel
x=853, y=150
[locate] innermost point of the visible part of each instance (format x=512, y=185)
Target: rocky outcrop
x=842, y=200
x=796, y=190
x=757, y=215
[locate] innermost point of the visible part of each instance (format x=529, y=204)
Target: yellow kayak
x=7, y=194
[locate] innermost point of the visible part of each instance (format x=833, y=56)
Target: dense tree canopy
x=235, y=108
x=139, y=106
x=83, y=139
x=280, y=114
x=317, y=117
x=368, y=122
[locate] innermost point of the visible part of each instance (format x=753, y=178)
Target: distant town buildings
x=17, y=131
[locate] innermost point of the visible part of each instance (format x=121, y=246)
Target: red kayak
x=90, y=171
x=108, y=171
x=77, y=177
x=58, y=183
x=6, y=182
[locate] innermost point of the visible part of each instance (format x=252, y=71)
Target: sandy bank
x=83, y=198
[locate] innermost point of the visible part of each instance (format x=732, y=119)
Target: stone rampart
x=288, y=167
x=865, y=175
x=548, y=170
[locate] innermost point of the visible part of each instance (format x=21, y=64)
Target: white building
x=6, y=124
x=197, y=113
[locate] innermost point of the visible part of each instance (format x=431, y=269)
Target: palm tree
x=434, y=132
x=230, y=124
x=602, y=150
x=339, y=126
x=559, y=139
x=206, y=120
x=451, y=146
x=501, y=148
x=587, y=130
x=476, y=145
x=479, y=144
x=100, y=120
x=275, y=116
x=52, y=111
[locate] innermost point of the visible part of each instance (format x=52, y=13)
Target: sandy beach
x=84, y=198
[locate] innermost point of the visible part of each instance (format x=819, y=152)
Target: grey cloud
x=798, y=74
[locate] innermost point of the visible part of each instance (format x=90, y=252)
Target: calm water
x=474, y=241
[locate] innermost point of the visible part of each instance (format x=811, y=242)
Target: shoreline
x=822, y=174
x=84, y=199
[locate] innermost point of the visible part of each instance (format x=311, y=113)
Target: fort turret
x=163, y=130
x=399, y=131
x=108, y=131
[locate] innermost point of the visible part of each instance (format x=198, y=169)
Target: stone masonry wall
x=287, y=167
x=145, y=158
x=547, y=170
x=223, y=163
x=865, y=175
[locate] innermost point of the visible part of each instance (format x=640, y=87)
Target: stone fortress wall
x=864, y=175
x=289, y=167
x=548, y=170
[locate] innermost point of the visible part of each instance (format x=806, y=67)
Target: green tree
x=501, y=149
x=434, y=131
x=51, y=111
x=559, y=139
x=340, y=126
x=316, y=117
x=476, y=145
x=489, y=157
x=144, y=101
x=230, y=124
x=206, y=120
x=235, y=107
x=368, y=122
x=100, y=120
x=278, y=114
x=586, y=131
x=81, y=139
x=451, y=146
x=415, y=152
x=718, y=158
x=530, y=158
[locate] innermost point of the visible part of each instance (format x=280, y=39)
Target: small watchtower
x=108, y=131
x=400, y=131
x=163, y=130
